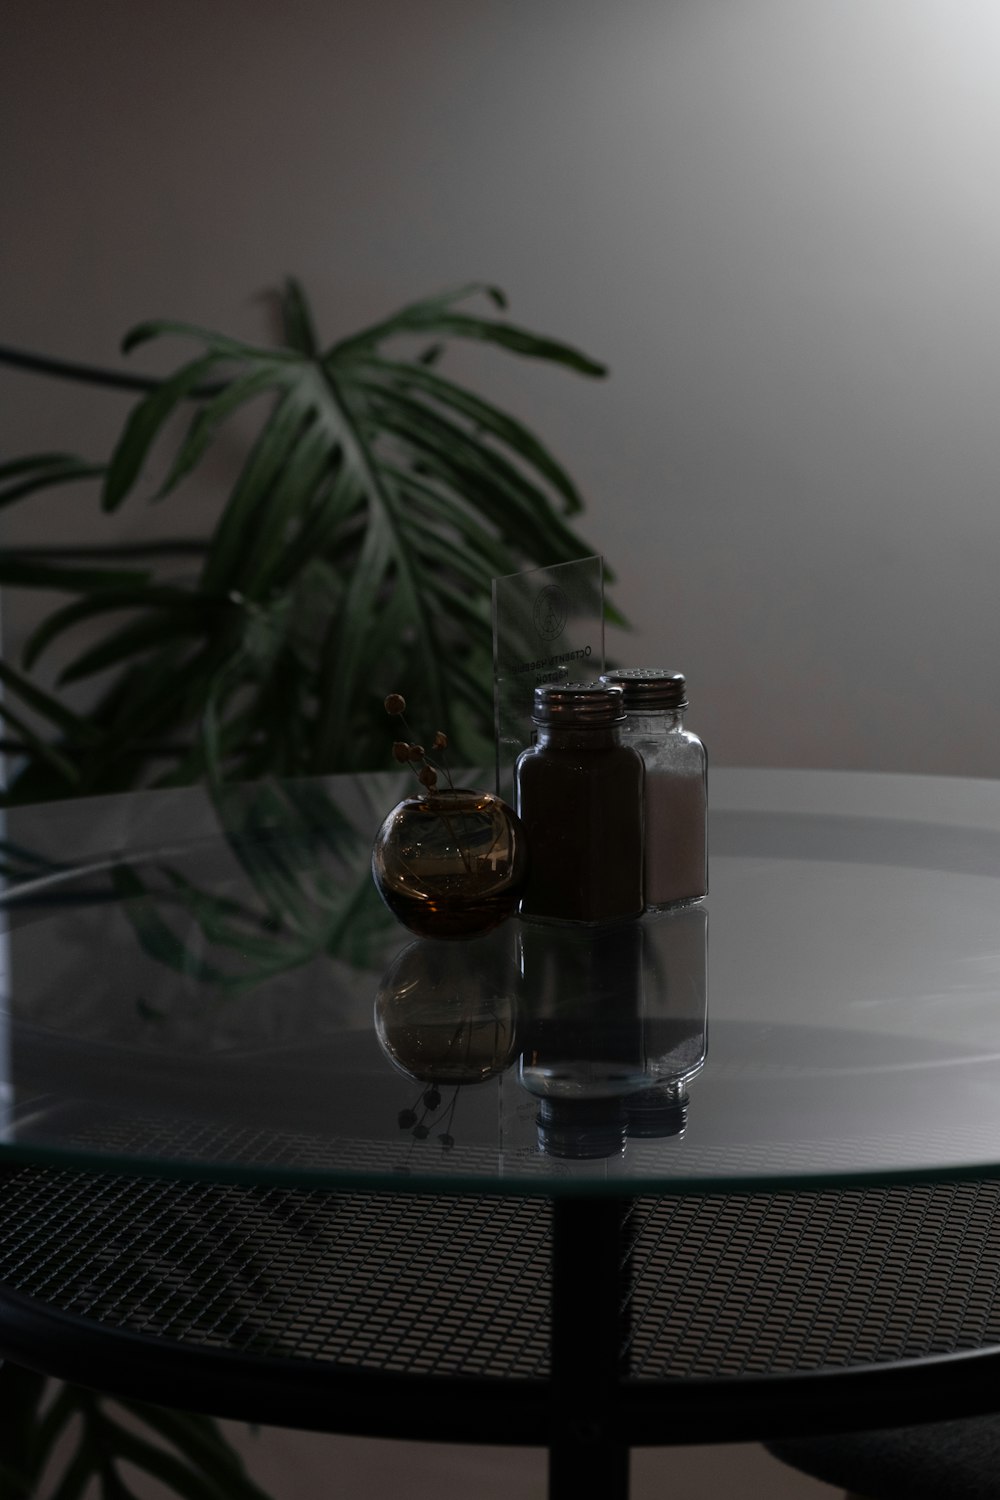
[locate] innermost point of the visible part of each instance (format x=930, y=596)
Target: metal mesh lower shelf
x=724, y=1285
x=781, y=1283
x=435, y=1286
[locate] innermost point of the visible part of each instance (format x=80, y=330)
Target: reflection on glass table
x=603, y=1028
x=191, y=984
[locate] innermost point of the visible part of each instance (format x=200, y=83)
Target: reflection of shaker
x=582, y=1034
x=675, y=1021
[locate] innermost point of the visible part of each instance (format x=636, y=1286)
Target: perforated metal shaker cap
x=578, y=703
x=649, y=687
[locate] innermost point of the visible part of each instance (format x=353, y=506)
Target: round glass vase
x=451, y=863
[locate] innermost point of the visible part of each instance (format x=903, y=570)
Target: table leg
x=586, y=1454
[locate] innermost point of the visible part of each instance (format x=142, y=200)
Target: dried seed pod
x=401, y=751
x=395, y=703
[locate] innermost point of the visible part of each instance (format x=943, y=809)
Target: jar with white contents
x=676, y=792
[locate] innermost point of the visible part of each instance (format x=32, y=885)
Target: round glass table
x=727, y=1171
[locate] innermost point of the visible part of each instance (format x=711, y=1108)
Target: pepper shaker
x=579, y=796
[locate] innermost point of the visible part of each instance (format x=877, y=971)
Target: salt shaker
x=676, y=797
x=579, y=796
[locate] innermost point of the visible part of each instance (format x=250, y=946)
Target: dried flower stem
x=409, y=752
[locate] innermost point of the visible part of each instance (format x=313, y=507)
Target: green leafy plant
x=108, y=1441
x=356, y=548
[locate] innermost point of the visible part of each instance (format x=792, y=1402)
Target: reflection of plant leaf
x=310, y=892
x=19, y=863
x=155, y=935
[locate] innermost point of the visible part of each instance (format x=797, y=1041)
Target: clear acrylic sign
x=548, y=626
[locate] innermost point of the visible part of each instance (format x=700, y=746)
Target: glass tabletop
x=207, y=984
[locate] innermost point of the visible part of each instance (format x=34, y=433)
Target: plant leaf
x=110, y=600
x=517, y=340
x=202, y=1444
x=50, y=708
x=204, y=427
x=35, y=461
x=486, y=417
x=437, y=506
x=76, y=1476
x=136, y=639
x=39, y=747
x=233, y=534
x=417, y=313
x=41, y=473
x=487, y=480
x=60, y=1413
x=300, y=331
x=144, y=425
x=219, y=344
x=292, y=494
x=435, y=315
x=27, y=573
x=184, y=1479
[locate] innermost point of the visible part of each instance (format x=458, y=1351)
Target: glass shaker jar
x=676, y=799
x=579, y=796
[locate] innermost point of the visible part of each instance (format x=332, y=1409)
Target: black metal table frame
x=589, y=1414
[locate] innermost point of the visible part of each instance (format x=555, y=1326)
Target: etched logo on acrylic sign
x=551, y=612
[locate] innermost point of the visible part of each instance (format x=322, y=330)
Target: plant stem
x=65, y=369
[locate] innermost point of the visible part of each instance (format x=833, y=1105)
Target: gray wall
x=777, y=220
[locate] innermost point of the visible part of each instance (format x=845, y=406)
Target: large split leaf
x=353, y=555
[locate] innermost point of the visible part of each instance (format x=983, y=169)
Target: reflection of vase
x=445, y=1014
x=451, y=863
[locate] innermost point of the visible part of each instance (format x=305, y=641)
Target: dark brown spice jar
x=579, y=795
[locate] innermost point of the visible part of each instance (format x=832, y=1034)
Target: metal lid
x=578, y=704
x=649, y=687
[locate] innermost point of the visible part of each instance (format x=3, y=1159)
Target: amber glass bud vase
x=451, y=863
